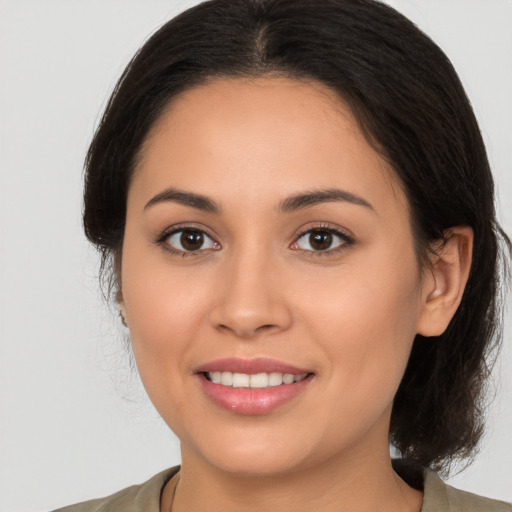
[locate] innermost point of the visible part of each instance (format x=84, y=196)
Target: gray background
x=75, y=423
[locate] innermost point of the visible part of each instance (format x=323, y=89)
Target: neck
x=362, y=483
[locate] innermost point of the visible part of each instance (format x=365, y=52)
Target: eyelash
x=325, y=228
x=162, y=240
x=322, y=228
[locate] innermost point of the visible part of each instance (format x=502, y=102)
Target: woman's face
x=265, y=238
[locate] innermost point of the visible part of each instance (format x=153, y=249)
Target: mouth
x=250, y=387
x=255, y=380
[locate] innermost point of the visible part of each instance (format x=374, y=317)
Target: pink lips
x=250, y=366
x=251, y=401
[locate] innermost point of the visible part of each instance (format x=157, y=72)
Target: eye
x=321, y=240
x=190, y=240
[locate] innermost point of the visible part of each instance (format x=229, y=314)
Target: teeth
x=275, y=379
x=226, y=378
x=288, y=378
x=240, y=380
x=257, y=380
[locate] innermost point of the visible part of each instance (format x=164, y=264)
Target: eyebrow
x=288, y=205
x=191, y=199
x=309, y=199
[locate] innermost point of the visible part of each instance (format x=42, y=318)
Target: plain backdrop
x=75, y=423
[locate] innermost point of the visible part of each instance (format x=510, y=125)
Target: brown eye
x=321, y=240
x=190, y=240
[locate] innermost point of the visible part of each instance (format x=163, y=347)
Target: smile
x=252, y=386
x=257, y=380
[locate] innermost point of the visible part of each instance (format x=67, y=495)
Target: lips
x=250, y=366
x=252, y=386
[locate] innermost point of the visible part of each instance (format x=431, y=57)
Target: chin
x=261, y=458
x=261, y=466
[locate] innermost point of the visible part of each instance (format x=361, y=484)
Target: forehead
x=262, y=100
x=263, y=136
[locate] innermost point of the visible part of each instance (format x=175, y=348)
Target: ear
x=444, y=281
x=122, y=308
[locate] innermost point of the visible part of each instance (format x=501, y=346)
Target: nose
x=251, y=298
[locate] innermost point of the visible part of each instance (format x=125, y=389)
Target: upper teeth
x=257, y=380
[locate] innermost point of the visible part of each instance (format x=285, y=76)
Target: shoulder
x=440, y=497
x=145, y=497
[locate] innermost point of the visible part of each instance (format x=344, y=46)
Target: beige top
x=438, y=497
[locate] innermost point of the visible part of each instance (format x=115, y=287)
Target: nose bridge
x=249, y=300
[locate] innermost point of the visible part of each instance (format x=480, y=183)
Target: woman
x=295, y=205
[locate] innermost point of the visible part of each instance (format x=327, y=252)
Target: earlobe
x=122, y=307
x=445, y=280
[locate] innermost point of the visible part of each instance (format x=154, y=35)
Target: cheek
x=160, y=297
x=163, y=321
x=164, y=311
x=365, y=320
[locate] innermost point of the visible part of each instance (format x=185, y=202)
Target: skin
x=260, y=290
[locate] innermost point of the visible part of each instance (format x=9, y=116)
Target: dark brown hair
x=414, y=111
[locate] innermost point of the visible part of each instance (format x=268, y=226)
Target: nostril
x=248, y=331
x=266, y=327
